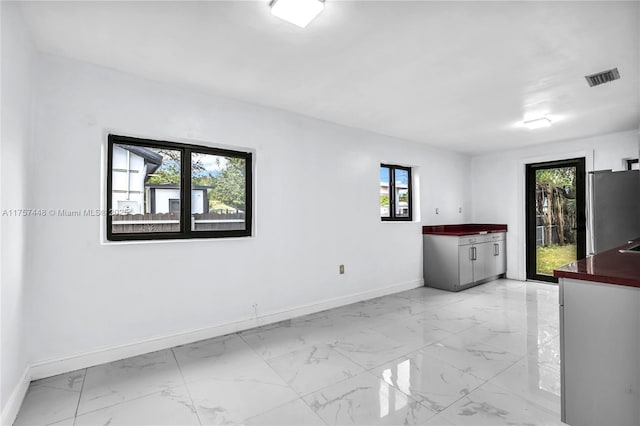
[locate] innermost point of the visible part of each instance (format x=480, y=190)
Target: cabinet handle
x=472, y=253
x=496, y=249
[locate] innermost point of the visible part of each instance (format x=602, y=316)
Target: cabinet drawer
x=498, y=236
x=480, y=238
x=466, y=241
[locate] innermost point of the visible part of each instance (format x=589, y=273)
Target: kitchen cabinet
x=600, y=353
x=457, y=262
x=599, y=300
x=497, y=263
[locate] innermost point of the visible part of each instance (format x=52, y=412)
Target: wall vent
x=602, y=77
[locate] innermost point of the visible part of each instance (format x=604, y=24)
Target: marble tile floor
x=488, y=355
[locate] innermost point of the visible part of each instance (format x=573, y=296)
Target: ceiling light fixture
x=538, y=123
x=298, y=12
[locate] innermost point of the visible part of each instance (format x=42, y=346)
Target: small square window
x=395, y=193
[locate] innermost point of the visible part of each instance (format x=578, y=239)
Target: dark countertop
x=463, y=229
x=609, y=267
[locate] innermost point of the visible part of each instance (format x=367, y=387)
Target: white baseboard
x=12, y=406
x=54, y=367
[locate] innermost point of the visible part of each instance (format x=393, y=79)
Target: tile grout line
x=84, y=378
x=195, y=409
x=128, y=400
x=299, y=397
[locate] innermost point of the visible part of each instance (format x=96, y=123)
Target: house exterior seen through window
x=167, y=190
x=395, y=193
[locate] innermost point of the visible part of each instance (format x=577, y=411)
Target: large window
x=395, y=192
x=166, y=190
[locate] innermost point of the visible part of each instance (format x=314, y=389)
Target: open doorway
x=555, y=216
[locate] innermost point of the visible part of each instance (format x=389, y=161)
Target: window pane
x=145, y=189
x=402, y=193
x=384, y=192
x=218, y=192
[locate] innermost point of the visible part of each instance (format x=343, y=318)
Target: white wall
x=316, y=206
x=498, y=182
x=17, y=57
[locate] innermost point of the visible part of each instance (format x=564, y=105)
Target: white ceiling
x=460, y=75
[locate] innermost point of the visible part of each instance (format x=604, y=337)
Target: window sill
x=105, y=242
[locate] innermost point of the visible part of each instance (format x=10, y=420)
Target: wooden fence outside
x=170, y=222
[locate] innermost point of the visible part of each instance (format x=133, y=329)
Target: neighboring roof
x=151, y=158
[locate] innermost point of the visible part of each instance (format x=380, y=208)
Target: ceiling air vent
x=602, y=77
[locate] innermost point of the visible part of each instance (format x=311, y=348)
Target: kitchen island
x=456, y=257
x=600, y=338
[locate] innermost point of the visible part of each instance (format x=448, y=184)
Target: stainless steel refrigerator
x=614, y=208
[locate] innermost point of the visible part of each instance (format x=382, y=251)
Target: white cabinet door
x=482, y=265
x=500, y=258
x=465, y=265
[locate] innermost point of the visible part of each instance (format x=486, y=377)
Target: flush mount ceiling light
x=538, y=123
x=298, y=12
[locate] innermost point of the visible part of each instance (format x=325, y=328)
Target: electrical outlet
x=459, y=209
x=437, y=210
x=341, y=269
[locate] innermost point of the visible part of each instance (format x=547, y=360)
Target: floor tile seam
x=529, y=402
x=519, y=394
x=446, y=361
x=228, y=380
x=500, y=371
x=483, y=382
x=61, y=420
x=343, y=353
x=411, y=397
x=270, y=367
x=385, y=362
x=33, y=388
x=120, y=403
x=299, y=398
x=331, y=348
x=517, y=354
x=445, y=413
x=306, y=394
x=84, y=379
x=362, y=373
x=455, y=333
x=146, y=395
x=193, y=404
x=419, y=348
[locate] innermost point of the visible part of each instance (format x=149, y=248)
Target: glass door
x=556, y=220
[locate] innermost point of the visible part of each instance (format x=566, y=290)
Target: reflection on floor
x=488, y=355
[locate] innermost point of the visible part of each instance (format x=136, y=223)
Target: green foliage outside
x=403, y=197
x=552, y=257
x=229, y=186
x=555, y=203
x=226, y=183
